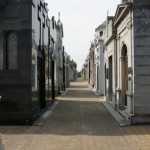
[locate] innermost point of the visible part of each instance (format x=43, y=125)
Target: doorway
x=124, y=74
x=105, y=79
x=41, y=82
x=98, y=77
x=110, y=78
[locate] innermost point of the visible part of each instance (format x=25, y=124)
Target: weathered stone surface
x=141, y=100
x=142, y=70
x=142, y=51
x=142, y=80
x=2, y=2
x=16, y=82
x=141, y=111
x=142, y=90
x=142, y=60
x=139, y=2
x=141, y=14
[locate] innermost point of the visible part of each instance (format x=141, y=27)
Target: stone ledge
x=116, y=115
x=40, y=121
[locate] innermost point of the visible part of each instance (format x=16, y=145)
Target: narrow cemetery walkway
x=78, y=122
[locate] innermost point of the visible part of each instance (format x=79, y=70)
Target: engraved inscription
x=12, y=51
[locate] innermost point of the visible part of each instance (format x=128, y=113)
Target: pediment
x=121, y=12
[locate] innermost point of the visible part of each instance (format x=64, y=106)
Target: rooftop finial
x=59, y=16
x=107, y=12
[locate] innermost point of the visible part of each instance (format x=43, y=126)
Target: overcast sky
x=80, y=18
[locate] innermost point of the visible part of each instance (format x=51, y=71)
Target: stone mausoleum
x=25, y=71
x=130, y=61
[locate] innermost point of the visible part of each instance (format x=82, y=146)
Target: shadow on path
x=80, y=112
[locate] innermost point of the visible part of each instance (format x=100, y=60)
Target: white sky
x=80, y=18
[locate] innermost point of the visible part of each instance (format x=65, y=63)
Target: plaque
x=12, y=51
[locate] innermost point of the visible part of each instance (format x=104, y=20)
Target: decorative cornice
x=121, y=12
x=109, y=40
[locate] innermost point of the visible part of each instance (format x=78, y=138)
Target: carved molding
x=129, y=25
x=129, y=93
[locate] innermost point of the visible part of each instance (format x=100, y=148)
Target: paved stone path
x=78, y=122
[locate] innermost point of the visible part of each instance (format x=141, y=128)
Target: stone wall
x=141, y=21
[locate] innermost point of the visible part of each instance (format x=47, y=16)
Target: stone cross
x=59, y=16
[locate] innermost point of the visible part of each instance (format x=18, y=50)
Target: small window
x=1, y=51
x=101, y=33
x=11, y=51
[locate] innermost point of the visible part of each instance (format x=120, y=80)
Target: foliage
x=72, y=64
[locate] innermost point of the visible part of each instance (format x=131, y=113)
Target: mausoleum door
x=124, y=75
x=110, y=79
x=39, y=80
x=41, y=88
x=97, y=77
x=105, y=79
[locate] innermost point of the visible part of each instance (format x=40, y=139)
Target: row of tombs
x=29, y=74
x=118, y=64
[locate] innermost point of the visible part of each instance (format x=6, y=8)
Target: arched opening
x=101, y=33
x=11, y=58
x=124, y=74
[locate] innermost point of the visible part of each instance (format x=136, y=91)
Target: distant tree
x=73, y=64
